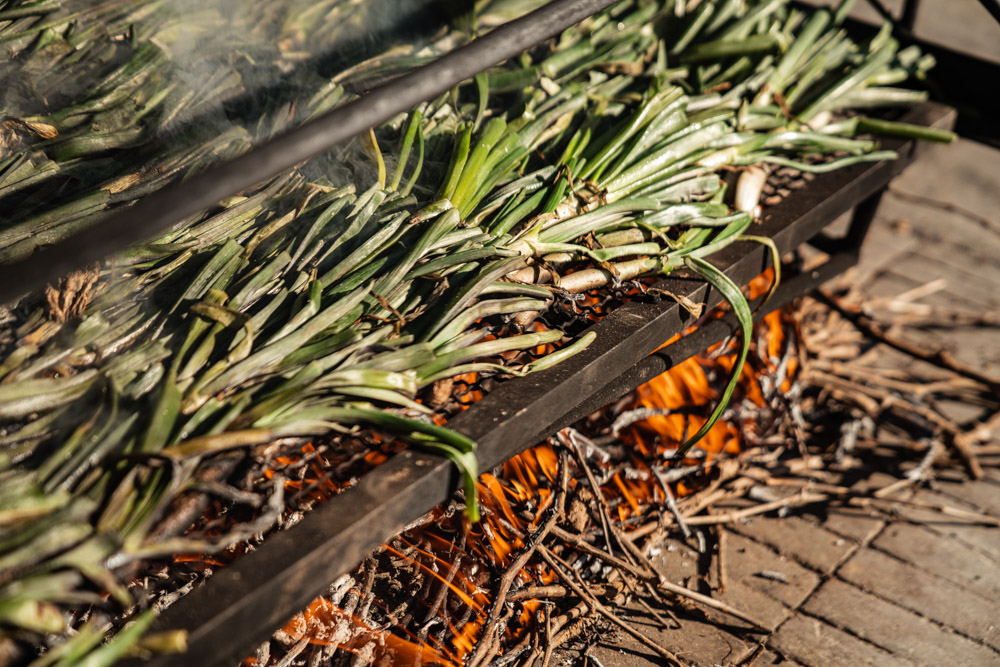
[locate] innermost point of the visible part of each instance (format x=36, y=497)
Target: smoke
x=155, y=87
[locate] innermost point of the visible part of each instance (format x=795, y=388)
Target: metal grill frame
x=244, y=603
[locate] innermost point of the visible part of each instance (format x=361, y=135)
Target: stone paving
x=852, y=586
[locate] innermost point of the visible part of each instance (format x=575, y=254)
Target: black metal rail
x=244, y=603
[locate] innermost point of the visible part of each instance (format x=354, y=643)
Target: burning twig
x=486, y=646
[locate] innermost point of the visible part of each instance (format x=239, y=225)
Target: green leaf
x=731, y=293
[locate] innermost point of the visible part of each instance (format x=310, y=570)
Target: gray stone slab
x=893, y=628
x=925, y=594
x=947, y=558
x=815, y=643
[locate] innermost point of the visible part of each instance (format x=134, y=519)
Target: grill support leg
x=861, y=221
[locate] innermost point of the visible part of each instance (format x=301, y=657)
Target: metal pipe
x=175, y=202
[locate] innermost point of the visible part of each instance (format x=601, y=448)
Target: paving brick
x=705, y=641
x=797, y=538
x=893, y=628
x=983, y=538
x=857, y=523
x=813, y=642
x=924, y=269
x=947, y=558
x=771, y=659
x=984, y=493
x=746, y=559
x=937, y=599
x=765, y=609
x=882, y=246
x=971, y=183
x=951, y=24
x=769, y=602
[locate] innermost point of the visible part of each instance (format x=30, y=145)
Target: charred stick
x=367, y=594
x=570, y=631
x=579, y=543
x=655, y=595
x=547, y=655
x=566, y=437
x=548, y=591
x=513, y=654
x=189, y=506
x=580, y=588
x=571, y=617
x=722, y=542
x=445, y=587
x=668, y=496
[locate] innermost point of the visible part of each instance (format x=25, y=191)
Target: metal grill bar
x=244, y=603
x=175, y=202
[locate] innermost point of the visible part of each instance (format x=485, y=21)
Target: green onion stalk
x=315, y=305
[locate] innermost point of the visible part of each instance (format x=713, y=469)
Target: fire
x=514, y=502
